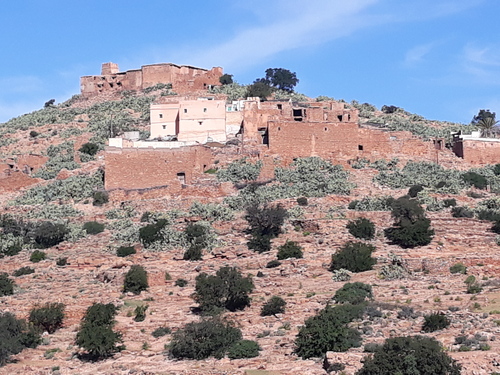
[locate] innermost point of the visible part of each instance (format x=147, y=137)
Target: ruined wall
x=145, y=168
x=481, y=152
x=183, y=78
x=342, y=141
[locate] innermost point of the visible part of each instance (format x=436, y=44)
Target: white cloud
x=416, y=54
x=296, y=24
x=482, y=63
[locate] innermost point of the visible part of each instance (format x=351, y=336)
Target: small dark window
x=360, y=147
x=181, y=176
x=185, y=110
x=161, y=115
x=279, y=128
x=200, y=122
x=164, y=126
x=204, y=109
x=326, y=129
x=280, y=106
x=339, y=117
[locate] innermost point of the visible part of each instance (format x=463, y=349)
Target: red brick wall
x=145, y=168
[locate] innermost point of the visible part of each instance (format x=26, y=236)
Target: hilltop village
x=169, y=223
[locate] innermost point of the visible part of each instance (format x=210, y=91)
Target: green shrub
x=475, y=179
x=89, y=148
x=276, y=305
x=152, y=233
x=194, y=252
x=124, y=251
x=23, y=271
x=460, y=211
x=410, y=355
x=37, y=256
x=136, y=280
x=264, y=224
x=410, y=235
x=61, y=262
x=93, y=227
x=10, y=244
x=34, y=134
x=449, y=202
x=353, y=293
x=496, y=227
x=48, y=234
x=244, y=349
x=414, y=190
x=435, y=322
x=411, y=228
x=302, y=201
x=48, y=317
x=96, y=333
x=329, y=331
x=181, y=283
x=458, y=268
x=161, y=331
x=211, y=211
x=273, y=263
x=100, y=198
x=240, y=170
x=353, y=256
x=259, y=243
x=290, y=249
x=362, y=228
x=140, y=313
x=227, y=289
x=6, y=285
x=16, y=335
x=200, y=340
x=383, y=203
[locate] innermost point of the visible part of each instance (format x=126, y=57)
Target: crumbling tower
x=109, y=68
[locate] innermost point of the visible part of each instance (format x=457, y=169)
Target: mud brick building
x=476, y=150
x=182, y=77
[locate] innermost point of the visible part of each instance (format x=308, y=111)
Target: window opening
x=360, y=147
x=181, y=176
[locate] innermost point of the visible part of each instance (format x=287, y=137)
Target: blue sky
x=437, y=58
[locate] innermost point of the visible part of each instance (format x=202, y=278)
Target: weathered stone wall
x=183, y=78
x=481, y=152
x=129, y=168
x=342, y=141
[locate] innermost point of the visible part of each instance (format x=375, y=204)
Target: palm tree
x=487, y=126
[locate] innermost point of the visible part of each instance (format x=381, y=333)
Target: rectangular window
x=185, y=110
x=360, y=147
x=204, y=109
x=164, y=126
x=161, y=115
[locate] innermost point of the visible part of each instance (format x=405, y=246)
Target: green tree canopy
x=282, y=79
x=416, y=355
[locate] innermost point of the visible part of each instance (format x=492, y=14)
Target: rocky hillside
x=80, y=265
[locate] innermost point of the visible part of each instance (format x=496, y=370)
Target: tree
x=136, y=280
x=48, y=317
x=48, y=234
x=226, y=79
x=276, y=305
x=362, y=228
x=353, y=293
x=488, y=126
x=6, y=285
x=482, y=115
x=16, y=335
x=49, y=103
x=200, y=340
x=227, y=289
x=264, y=224
x=353, y=256
x=290, y=249
x=409, y=356
x=411, y=228
x=243, y=349
x=96, y=333
x=282, y=79
x=435, y=322
x=329, y=331
x=259, y=89
x=89, y=148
